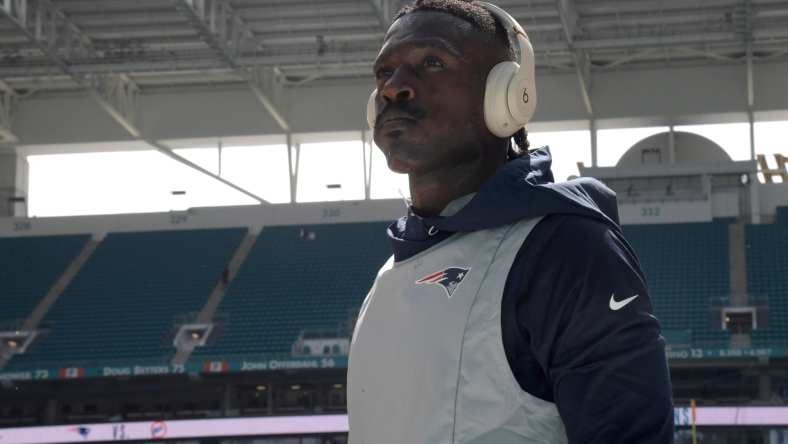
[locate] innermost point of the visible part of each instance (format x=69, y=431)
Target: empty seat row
x=125, y=300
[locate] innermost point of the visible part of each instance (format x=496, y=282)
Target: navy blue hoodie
x=577, y=320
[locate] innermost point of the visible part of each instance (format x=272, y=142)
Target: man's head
x=431, y=75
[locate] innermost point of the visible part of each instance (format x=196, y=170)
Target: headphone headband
x=512, y=28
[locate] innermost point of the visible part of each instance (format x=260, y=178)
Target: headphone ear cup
x=522, y=97
x=497, y=116
x=372, y=109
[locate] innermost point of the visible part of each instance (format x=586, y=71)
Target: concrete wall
x=725, y=204
x=253, y=216
x=688, y=148
x=257, y=216
x=13, y=183
x=626, y=97
x=771, y=196
x=665, y=212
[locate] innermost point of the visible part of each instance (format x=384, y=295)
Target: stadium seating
x=686, y=266
x=767, y=279
x=297, y=278
x=28, y=268
x=123, y=302
x=122, y=305
x=782, y=215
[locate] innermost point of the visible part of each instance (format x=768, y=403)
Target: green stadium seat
x=782, y=215
x=686, y=267
x=122, y=304
x=767, y=280
x=29, y=266
x=291, y=282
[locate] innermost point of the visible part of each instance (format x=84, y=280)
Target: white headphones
x=510, y=95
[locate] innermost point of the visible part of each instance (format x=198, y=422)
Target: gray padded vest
x=427, y=363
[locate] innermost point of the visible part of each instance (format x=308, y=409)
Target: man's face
x=431, y=74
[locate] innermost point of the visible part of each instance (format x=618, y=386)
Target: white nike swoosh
x=618, y=305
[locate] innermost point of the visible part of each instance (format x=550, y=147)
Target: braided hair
x=518, y=145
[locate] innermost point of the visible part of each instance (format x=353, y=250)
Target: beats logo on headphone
x=510, y=95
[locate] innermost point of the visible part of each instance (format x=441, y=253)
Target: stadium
x=192, y=208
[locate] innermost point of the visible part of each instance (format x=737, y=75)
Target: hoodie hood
x=522, y=188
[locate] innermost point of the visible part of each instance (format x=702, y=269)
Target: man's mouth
x=397, y=117
x=395, y=126
x=397, y=120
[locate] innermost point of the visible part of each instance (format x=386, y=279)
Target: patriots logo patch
x=449, y=278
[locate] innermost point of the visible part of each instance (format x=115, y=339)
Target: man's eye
x=383, y=73
x=433, y=62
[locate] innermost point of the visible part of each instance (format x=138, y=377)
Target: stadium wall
x=721, y=205
x=634, y=97
x=666, y=212
x=772, y=195
x=253, y=216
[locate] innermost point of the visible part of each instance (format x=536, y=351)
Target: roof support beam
x=742, y=16
x=743, y=27
x=167, y=151
x=569, y=19
x=8, y=98
x=750, y=110
x=631, y=57
x=383, y=11
x=266, y=84
x=117, y=95
x=293, y=163
x=223, y=30
x=58, y=39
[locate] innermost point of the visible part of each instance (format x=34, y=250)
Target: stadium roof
x=56, y=44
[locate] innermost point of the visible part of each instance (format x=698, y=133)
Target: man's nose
x=398, y=87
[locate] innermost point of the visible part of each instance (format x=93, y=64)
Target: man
x=513, y=309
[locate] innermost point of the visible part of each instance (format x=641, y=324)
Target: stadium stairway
x=296, y=278
x=208, y=310
x=34, y=271
x=29, y=266
x=737, y=267
x=123, y=303
x=767, y=279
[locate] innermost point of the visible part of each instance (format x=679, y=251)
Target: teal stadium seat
x=121, y=306
x=782, y=215
x=28, y=268
x=291, y=281
x=686, y=267
x=767, y=278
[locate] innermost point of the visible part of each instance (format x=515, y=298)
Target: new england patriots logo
x=449, y=278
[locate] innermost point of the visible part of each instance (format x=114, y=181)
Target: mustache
x=399, y=110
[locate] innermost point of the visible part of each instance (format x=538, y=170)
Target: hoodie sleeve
x=579, y=331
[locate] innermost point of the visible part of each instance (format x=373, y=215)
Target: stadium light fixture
x=333, y=186
x=16, y=341
x=190, y=336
